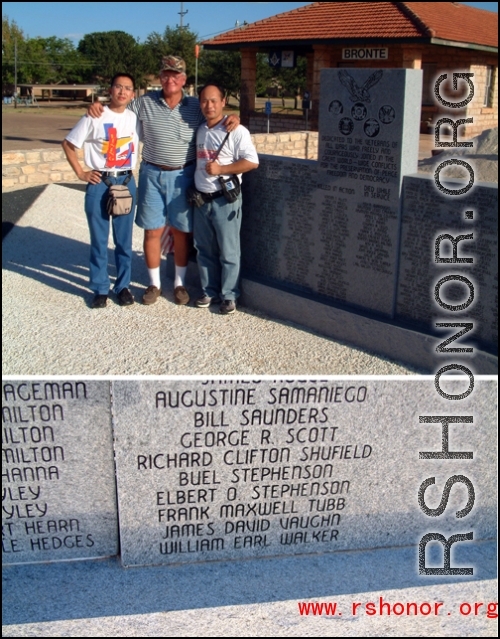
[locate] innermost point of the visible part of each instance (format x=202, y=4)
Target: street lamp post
x=15, y=73
x=196, y=55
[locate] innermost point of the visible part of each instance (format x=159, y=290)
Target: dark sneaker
x=151, y=295
x=99, y=301
x=205, y=301
x=181, y=296
x=227, y=307
x=125, y=297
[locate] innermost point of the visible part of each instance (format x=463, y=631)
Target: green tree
x=178, y=41
x=285, y=81
x=40, y=60
x=154, y=48
x=11, y=34
x=294, y=80
x=52, y=60
x=69, y=64
x=222, y=68
x=138, y=66
x=264, y=74
x=110, y=52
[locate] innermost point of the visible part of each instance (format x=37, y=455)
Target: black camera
x=230, y=187
x=194, y=197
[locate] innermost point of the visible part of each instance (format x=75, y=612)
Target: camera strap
x=124, y=183
x=220, y=147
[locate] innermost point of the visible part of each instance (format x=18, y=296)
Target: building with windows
x=56, y=92
x=437, y=37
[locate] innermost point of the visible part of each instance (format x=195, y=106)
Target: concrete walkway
x=49, y=328
x=254, y=598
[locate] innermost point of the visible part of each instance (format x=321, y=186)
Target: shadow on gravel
x=56, y=261
x=44, y=140
x=15, y=204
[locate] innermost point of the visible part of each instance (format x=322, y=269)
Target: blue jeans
x=98, y=220
x=217, y=240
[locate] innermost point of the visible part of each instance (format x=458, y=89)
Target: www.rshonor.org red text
x=398, y=609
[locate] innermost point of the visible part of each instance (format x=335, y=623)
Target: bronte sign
x=58, y=486
x=375, y=53
x=222, y=469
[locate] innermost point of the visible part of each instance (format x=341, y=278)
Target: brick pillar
x=247, y=86
x=412, y=58
x=321, y=60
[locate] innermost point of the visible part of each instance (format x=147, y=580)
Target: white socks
x=180, y=274
x=154, y=277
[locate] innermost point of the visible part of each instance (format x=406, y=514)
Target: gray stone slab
x=226, y=469
x=427, y=214
x=367, y=113
x=299, y=228
x=280, y=234
x=397, y=342
x=368, y=139
x=332, y=227
x=58, y=480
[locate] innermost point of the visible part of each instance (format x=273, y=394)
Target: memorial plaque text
x=232, y=469
x=58, y=489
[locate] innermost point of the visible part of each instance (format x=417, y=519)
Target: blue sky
x=74, y=19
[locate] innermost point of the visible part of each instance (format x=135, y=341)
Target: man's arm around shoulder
x=96, y=109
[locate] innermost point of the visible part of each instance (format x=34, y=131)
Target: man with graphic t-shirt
x=221, y=158
x=110, y=145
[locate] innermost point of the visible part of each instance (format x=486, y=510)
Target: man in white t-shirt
x=221, y=158
x=110, y=144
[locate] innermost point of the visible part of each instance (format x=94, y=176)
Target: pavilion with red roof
x=436, y=37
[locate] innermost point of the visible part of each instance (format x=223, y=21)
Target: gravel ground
x=49, y=329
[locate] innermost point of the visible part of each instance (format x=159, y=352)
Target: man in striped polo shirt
x=169, y=121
